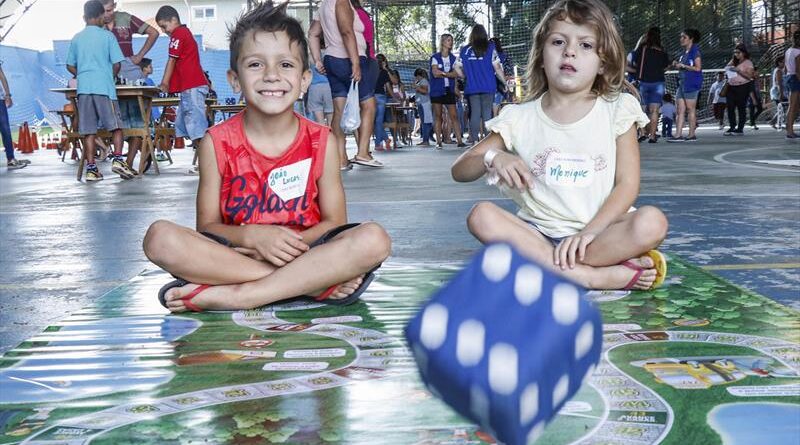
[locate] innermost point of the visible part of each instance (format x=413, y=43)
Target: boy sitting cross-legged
x=270, y=204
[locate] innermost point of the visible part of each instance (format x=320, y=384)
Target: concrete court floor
x=66, y=243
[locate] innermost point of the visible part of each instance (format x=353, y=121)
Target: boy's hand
x=320, y=67
x=513, y=171
x=252, y=253
x=136, y=59
x=275, y=244
x=163, y=87
x=572, y=249
x=9, y=102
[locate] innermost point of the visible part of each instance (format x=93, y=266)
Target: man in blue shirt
x=94, y=58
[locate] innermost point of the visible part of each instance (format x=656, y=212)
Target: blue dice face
x=506, y=343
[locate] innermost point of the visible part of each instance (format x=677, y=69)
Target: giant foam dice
x=506, y=343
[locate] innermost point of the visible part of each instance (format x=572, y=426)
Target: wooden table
x=399, y=123
x=225, y=109
x=144, y=96
x=162, y=131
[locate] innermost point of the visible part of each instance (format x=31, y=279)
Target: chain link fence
x=407, y=31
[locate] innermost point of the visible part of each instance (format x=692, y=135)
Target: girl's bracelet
x=488, y=157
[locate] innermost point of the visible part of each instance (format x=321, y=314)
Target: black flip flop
x=162, y=293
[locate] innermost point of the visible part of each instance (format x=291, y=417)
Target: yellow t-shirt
x=573, y=165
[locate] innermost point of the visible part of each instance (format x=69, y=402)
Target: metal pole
x=433, y=26
x=747, y=29
x=375, y=13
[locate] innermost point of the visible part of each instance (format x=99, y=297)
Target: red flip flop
x=187, y=300
x=639, y=271
x=659, y=264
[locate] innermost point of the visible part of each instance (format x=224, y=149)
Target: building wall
x=214, y=31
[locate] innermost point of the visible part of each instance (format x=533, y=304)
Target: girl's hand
x=572, y=249
x=275, y=244
x=513, y=171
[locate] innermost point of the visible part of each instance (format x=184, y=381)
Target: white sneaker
x=16, y=164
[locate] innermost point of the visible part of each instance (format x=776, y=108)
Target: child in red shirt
x=270, y=204
x=184, y=75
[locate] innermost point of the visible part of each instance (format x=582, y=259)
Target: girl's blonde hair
x=609, y=48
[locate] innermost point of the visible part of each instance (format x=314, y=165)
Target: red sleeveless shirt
x=257, y=189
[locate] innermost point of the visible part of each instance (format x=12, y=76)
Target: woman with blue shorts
x=792, y=61
x=653, y=61
x=345, y=61
x=691, y=80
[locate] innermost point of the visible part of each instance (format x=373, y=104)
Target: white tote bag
x=351, y=118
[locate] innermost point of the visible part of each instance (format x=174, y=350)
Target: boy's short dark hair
x=668, y=98
x=145, y=62
x=420, y=72
x=93, y=9
x=167, y=12
x=268, y=18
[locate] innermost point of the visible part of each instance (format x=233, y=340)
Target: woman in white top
x=741, y=75
x=345, y=61
x=792, y=61
x=568, y=157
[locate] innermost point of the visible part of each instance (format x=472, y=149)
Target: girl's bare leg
x=454, y=124
x=490, y=223
x=437, y=122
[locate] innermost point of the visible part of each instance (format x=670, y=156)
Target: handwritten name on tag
x=289, y=182
x=569, y=170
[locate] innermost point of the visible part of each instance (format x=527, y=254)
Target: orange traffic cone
x=35, y=140
x=24, y=142
x=179, y=142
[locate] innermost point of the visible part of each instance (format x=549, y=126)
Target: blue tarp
x=31, y=74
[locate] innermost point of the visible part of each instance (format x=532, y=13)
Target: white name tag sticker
x=569, y=170
x=290, y=182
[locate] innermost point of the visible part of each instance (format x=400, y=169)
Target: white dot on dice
x=469, y=342
x=583, y=341
x=560, y=390
x=565, y=303
x=528, y=403
x=536, y=432
x=433, y=330
x=496, y=262
x=479, y=404
x=528, y=284
x=503, y=368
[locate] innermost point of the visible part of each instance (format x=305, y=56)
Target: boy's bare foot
x=617, y=277
x=213, y=297
x=347, y=288
x=205, y=299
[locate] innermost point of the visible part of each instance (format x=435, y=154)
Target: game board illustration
x=696, y=361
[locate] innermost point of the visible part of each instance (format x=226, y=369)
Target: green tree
x=403, y=32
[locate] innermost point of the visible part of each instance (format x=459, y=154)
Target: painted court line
x=721, y=159
x=751, y=266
